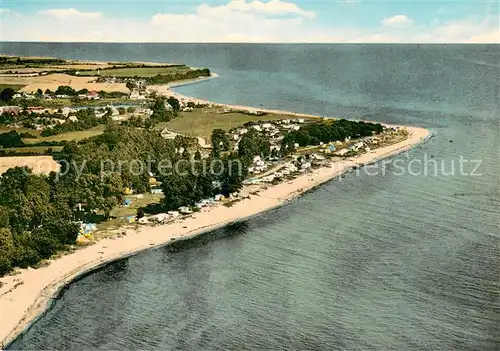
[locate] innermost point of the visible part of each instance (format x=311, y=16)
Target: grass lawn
x=76, y=136
x=202, y=121
x=140, y=71
x=121, y=211
x=16, y=87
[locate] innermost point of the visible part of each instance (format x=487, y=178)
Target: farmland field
x=39, y=164
x=16, y=87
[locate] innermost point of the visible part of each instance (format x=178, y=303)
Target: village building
x=93, y=95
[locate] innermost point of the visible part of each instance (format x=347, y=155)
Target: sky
x=258, y=21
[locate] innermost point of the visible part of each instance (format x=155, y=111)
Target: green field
x=202, y=121
x=76, y=136
x=139, y=71
x=122, y=211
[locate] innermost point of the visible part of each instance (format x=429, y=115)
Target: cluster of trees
x=11, y=139
x=86, y=120
x=199, y=179
x=34, y=222
x=30, y=61
x=6, y=95
x=164, y=79
x=220, y=141
x=328, y=131
x=252, y=144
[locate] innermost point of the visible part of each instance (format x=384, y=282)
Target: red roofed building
x=93, y=95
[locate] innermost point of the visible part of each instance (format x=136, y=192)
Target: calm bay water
x=365, y=262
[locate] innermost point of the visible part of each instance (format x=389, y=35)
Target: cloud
x=397, y=21
x=273, y=7
x=245, y=22
x=2, y=11
x=71, y=13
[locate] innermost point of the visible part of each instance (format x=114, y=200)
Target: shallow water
x=382, y=261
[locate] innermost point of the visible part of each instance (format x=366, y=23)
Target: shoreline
x=26, y=297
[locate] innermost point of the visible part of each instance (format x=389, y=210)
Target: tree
x=7, y=94
x=130, y=85
x=140, y=213
x=48, y=92
x=176, y=106
x=11, y=139
x=65, y=90
x=7, y=250
x=39, y=92
x=220, y=140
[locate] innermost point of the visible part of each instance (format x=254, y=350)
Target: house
x=135, y=94
x=156, y=191
x=143, y=220
x=73, y=119
x=127, y=202
x=185, y=210
x=305, y=165
x=66, y=111
x=160, y=217
x=342, y=152
x=9, y=110
x=257, y=128
x=168, y=107
x=187, y=109
x=219, y=197
x=167, y=134
x=130, y=219
x=174, y=214
x=93, y=95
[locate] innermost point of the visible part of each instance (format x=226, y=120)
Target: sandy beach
x=26, y=295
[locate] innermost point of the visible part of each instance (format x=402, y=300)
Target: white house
x=66, y=111
x=73, y=119
x=185, y=210
x=168, y=107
